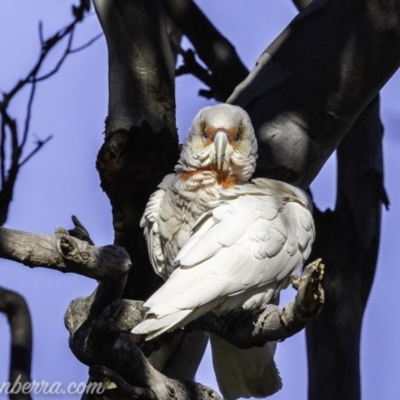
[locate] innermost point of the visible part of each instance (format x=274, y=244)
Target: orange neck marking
x=223, y=178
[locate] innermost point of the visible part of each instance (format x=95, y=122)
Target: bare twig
x=10, y=176
x=28, y=115
x=34, y=79
x=39, y=145
x=9, y=127
x=79, y=231
x=86, y=45
x=191, y=66
x=226, y=68
x=41, y=37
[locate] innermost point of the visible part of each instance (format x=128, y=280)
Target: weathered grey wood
x=141, y=65
x=246, y=329
x=141, y=144
x=101, y=341
x=311, y=84
x=309, y=89
x=64, y=253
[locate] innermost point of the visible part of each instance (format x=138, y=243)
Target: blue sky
x=61, y=180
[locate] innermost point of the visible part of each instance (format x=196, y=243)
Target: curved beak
x=220, y=143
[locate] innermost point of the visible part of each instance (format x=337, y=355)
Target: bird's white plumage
x=241, y=252
x=223, y=243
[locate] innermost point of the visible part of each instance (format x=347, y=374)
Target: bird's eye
x=237, y=138
x=205, y=136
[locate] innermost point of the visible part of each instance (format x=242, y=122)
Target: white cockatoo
x=222, y=243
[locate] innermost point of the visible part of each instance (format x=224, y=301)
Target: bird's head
x=221, y=138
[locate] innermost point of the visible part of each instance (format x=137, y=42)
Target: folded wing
x=240, y=254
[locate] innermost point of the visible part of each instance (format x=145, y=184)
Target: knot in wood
x=67, y=246
x=171, y=391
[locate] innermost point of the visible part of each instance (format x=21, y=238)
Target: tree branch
x=245, y=329
x=301, y=4
x=146, y=377
x=105, y=339
x=39, y=145
x=79, y=231
x=141, y=65
x=226, y=68
x=101, y=341
x=348, y=239
x=9, y=127
x=313, y=81
x=14, y=306
x=191, y=66
x=141, y=144
x=117, y=387
x=64, y=253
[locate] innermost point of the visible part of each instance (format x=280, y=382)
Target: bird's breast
x=203, y=177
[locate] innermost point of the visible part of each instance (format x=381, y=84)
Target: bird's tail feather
x=154, y=325
x=245, y=373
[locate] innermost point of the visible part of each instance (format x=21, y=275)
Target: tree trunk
x=348, y=241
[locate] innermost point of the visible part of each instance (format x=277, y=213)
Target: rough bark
x=105, y=339
x=309, y=88
x=141, y=144
x=64, y=253
x=315, y=79
x=348, y=240
x=141, y=65
x=16, y=309
x=245, y=329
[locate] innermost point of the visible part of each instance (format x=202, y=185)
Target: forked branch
x=12, y=139
x=132, y=360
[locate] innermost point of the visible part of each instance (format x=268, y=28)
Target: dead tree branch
x=301, y=4
x=14, y=306
x=105, y=340
x=348, y=239
x=141, y=144
x=245, y=329
x=191, y=66
x=226, y=70
x=9, y=130
x=64, y=253
x=128, y=361
x=79, y=231
x=311, y=84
